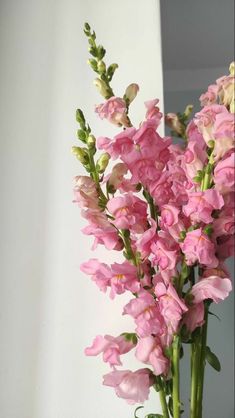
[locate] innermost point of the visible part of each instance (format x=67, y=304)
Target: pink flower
x=225, y=247
x=224, y=174
x=194, y=159
x=119, y=277
x=132, y=386
x=149, y=351
x=143, y=244
x=129, y=212
x=205, y=120
x=170, y=304
x=117, y=181
x=146, y=314
x=223, y=131
x=114, y=110
x=153, y=111
x=194, y=318
x=169, y=215
x=165, y=253
x=85, y=193
x=213, y=287
x=122, y=143
x=111, y=347
x=201, y=204
x=210, y=97
x=198, y=247
x=103, y=231
x=226, y=88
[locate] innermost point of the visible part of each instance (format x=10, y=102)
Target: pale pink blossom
x=122, y=143
x=149, y=351
x=205, y=120
x=194, y=318
x=164, y=251
x=194, y=159
x=213, y=287
x=114, y=110
x=85, y=192
x=153, y=111
x=197, y=247
x=223, y=132
x=143, y=244
x=224, y=174
x=201, y=205
x=102, y=230
x=111, y=347
x=132, y=386
x=210, y=97
x=129, y=211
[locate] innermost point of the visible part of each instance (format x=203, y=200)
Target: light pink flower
x=198, y=247
x=149, y=351
x=205, y=120
x=225, y=246
x=146, y=313
x=169, y=215
x=85, y=192
x=194, y=159
x=129, y=211
x=223, y=132
x=132, y=386
x=143, y=244
x=153, y=111
x=224, y=174
x=201, y=205
x=122, y=143
x=111, y=347
x=170, y=305
x=210, y=97
x=99, y=272
x=226, y=89
x=165, y=251
x=102, y=230
x=194, y=318
x=114, y=110
x=213, y=287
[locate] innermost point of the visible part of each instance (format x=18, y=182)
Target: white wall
x=49, y=310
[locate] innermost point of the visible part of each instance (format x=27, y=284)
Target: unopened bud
x=80, y=117
x=101, y=67
x=102, y=87
x=131, y=92
x=172, y=120
x=188, y=110
x=102, y=162
x=91, y=141
x=232, y=68
x=211, y=143
x=93, y=63
x=81, y=154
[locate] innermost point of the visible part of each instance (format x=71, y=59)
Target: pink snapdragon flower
x=111, y=347
x=164, y=251
x=119, y=277
x=149, y=351
x=153, y=111
x=132, y=386
x=205, y=120
x=198, y=247
x=85, y=192
x=224, y=174
x=129, y=211
x=102, y=230
x=146, y=313
x=114, y=110
x=194, y=318
x=212, y=287
x=210, y=97
x=223, y=132
x=201, y=205
x=144, y=243
x=171, y=306
x=195, y=157
x=169, y=215
x=226, y=87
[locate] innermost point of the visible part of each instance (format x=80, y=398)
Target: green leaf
x=154, y=416
x=170, y=406
x=129, y=336
x=213, y=314
x=137, y=409
x=212, y=359
x=185, y=271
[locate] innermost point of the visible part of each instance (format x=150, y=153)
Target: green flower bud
x=81, y=154
x=188, y=110
x=211, y=143
x=101, y=67
x=131, y=92
x=91, y=141
x=80, y=118
x=102, y=162
x=93, y=63
x=102, y=87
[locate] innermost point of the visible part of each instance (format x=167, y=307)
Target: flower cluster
x=170, y=209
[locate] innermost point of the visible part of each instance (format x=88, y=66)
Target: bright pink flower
x=165, y=252
x=201, y=205
x=224, y=174
x=194, y=158
x=85, y=192
x=170, y=304
x=114, y=110
x=213, y=287
x=149, y=351
x=111, y=347
x=122, y=143
x=146, y=313
x=198, y=247
x=194, y=318
x=205, y=120
x=129, y=212
x=132, y=386
x=153, y=111
x=169, y=215
x=161, y=189
x=194, y=135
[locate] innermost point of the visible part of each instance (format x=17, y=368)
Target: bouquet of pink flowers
x=170, y=209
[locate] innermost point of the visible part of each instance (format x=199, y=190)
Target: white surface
x=49, y=310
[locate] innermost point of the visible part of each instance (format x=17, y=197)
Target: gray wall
x=219, y=393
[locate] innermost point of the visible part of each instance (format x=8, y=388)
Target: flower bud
x=93, y=63
x=80, y=117
x=102, y=162
x=101, y=67
x=81, y=154
x=188, y=110
x=91, y=141
x=102, y=87
x=232, y=68
x=172, y=120
x=131, y=92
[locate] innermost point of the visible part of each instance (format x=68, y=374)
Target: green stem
x=202, y=364
x=127, y=244
x=195, y=362
x=176, y=376
x=162, y=397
